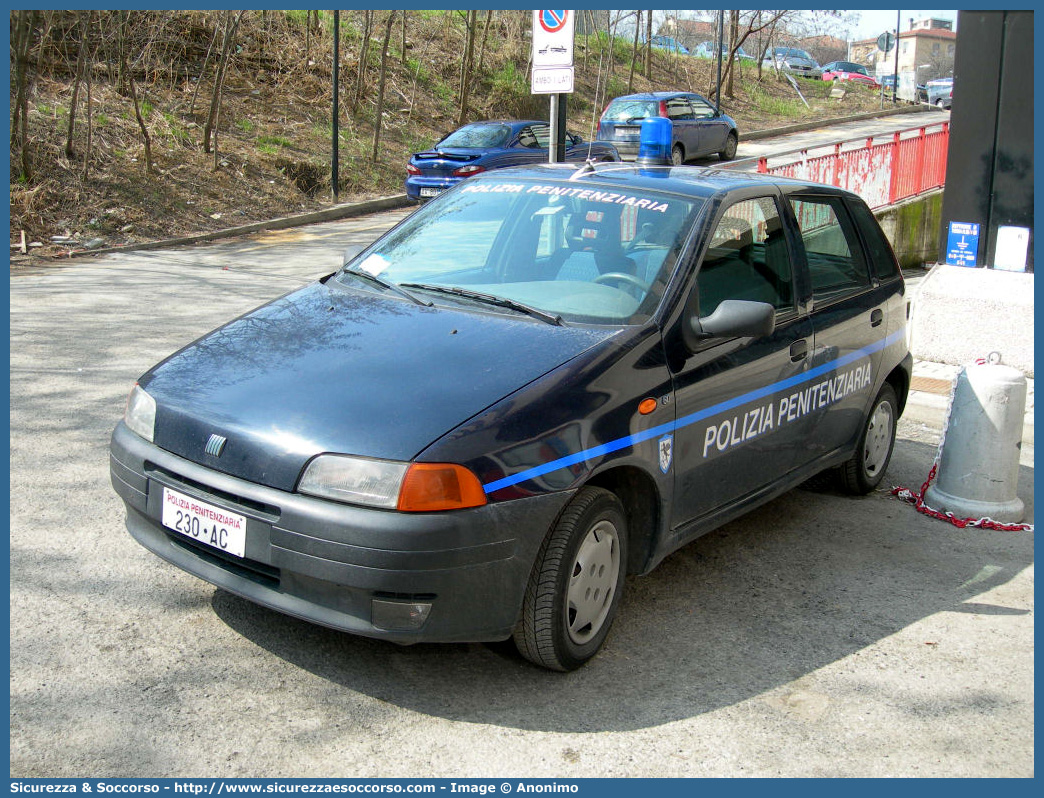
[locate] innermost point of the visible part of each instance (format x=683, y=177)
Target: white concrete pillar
x=979, y=465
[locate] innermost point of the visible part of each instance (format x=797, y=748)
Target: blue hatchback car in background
x=497, y=144
x=698, y=129
x=541, y=382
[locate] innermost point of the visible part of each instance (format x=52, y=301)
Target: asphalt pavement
x=820, y=635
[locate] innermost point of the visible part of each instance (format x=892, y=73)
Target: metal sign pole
x=895, y=83
x=553, y=70
x=552, y=149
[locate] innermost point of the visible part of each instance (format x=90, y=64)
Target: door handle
x=798, y=350
x=876, y=317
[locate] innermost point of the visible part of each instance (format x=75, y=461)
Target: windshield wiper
x=490, y=299
x=373, y=278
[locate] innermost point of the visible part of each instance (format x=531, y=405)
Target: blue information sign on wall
x=962, y=244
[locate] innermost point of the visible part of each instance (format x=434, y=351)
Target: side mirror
x=733, y=318
x=350, y=253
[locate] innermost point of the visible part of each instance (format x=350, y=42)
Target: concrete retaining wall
x=913, y=228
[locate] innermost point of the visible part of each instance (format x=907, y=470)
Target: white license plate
x=204, y=522
x=429, y=191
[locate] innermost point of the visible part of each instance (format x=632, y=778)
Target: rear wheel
x=729, y=151
x=677, y=155
x=866, y=469
x=576, y=583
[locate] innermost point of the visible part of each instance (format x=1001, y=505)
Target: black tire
x=866, y=469
x=583, y=556
x=677, y=155
x=731, y=143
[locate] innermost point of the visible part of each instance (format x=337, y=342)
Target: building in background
x=926, y=52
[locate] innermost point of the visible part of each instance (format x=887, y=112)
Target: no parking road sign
x=553, y=51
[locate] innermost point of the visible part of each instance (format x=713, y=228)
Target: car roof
x=513, y=123
x=691, y=181
x=656, y=95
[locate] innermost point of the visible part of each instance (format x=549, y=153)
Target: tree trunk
x=90, y=110
x=77, y=77
x=733, y=46
x=634, y=50
x=203, y=69
x=25, y=23
x=219, y=76
x=364, y=52
x=465, y=71
x=485, y=36
x=648, y=45
x=402, y=55
x=141, y=122
x=379, y=120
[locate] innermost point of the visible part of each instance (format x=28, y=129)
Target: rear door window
x=835, y=260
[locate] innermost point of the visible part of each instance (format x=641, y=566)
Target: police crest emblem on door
x=666, y=452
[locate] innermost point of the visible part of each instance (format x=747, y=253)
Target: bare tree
x=364, y=54
x=77, y=78
x=648, y=44
x=379, y=119
x=485, y=36
x=89, y=73
x=124, y=29
x=470, y=30
x=747, y=24
x=21, y=44
x=634, y=50
x=203, y=69
x=219, y=77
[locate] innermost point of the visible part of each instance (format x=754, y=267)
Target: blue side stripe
x=693, y=418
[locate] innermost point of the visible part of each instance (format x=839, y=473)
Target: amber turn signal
x=647, y=406
x=431, y=487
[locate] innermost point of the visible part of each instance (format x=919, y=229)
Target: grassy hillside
x=274, y=129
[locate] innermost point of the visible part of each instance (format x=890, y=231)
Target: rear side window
x=478, y=135
x=835, y=260
x=747, y=258
x=679, y=110
x=882, y=258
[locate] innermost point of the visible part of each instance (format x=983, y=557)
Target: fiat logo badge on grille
x=215, y=445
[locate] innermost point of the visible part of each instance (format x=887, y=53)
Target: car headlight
x=392, y=485
x=140, y=416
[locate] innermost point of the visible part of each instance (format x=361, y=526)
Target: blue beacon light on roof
x=654, y=144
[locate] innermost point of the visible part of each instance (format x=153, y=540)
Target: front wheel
x=866, y=469
x=729, y=151
x=576, y=583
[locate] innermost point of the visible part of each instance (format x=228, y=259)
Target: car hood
x=329, y=369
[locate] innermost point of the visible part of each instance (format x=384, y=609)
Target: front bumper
x=328, y=563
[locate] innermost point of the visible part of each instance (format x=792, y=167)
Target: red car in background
x=848, y=70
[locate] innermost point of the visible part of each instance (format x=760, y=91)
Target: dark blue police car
x=542, y=381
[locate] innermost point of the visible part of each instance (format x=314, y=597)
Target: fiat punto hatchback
x=542, y=381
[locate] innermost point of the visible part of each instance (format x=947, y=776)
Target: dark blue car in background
x=699, y=130
x=496, y=144
x=539, y=383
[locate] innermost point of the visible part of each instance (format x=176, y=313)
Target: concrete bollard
x=979, y=465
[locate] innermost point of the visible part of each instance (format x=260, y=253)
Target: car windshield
x=478, y=136
x=588, y=254
x=630, y=110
